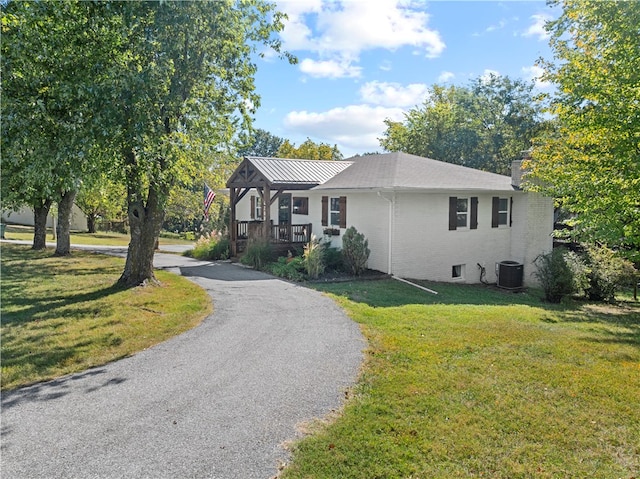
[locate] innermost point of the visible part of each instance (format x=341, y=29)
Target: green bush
x=259, y=254
x=555, y=275
x=313, y=258
x=607, y=273
x=210, y=247
x=333, y=260
x=290, y=268
x=355, y=250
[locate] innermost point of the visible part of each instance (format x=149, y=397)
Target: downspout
x=390, y=224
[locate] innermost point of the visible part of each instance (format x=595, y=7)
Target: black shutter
x=343, y=212
x=511, y=212
x=495, y=212
x=474, y=213
x=453, y=213
x=253, y=207
x=325, y=211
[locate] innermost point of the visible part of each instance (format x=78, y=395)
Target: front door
x=284, y=209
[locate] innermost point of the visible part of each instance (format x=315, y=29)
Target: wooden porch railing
x=243, y=231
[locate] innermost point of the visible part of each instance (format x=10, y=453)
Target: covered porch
x=274, y=179
x=285, y=235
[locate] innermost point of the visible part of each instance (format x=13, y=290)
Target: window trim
x=496, y=211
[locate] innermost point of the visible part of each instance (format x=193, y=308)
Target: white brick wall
x=422, y=247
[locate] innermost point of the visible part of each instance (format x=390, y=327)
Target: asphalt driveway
x=216, y=402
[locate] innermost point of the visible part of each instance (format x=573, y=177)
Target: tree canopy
x=261, y=143
x=309, y=150
x=590, y=160
x=485, y=125
x=160, y=89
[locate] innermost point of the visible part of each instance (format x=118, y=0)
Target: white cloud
x=329, y=69
x=534, y=73
x=354, y=127
x=342, y=30
x=536, y=29
x=393, y=94
x=445, y=76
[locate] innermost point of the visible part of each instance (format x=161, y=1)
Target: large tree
x=181, y=86
x=484, y=125
x=309, y=150
x=52, y=53
x=590, y=161
x=261, y=143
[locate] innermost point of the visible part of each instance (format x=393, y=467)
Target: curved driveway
x=215, y=402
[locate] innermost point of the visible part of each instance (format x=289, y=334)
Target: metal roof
x=295, y=171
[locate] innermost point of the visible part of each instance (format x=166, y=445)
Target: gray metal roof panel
x=298, y=171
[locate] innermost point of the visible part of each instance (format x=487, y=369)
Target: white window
x=462, y=212
x=258, y=212
x=457, y=271
x=335, y=211
x=503, y=211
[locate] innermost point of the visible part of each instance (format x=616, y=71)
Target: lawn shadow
x=619, y=323
x=48, y=307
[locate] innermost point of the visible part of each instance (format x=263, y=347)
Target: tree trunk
x=40, y=213
x=91, y=222
x=145, y=223
x=63, y=229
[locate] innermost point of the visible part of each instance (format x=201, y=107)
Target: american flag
x=209, y=196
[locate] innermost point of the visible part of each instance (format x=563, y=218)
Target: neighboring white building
x=424, y=219
x=24, y=217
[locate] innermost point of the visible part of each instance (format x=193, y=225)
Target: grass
x=25, y=233
x=478, y=382
x=64, y=315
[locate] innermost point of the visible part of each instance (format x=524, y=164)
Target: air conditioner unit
x=510, y=274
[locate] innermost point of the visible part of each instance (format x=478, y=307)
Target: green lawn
x=25, y=233
x=478, y=382
x=63, y=315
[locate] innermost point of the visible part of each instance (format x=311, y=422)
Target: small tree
x=555, y=275
x=355, y=250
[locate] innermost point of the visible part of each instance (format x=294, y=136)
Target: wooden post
x=232, y=223
x=266, y=206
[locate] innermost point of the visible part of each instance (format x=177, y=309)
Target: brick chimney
x=516, y=169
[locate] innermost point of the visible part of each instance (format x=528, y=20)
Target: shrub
x=607, y=273
x=290, y=268
x=355, y=250
x=313, y=258
x=259, y=254
x=555, y=275
x=210, y=247
x=333, y=259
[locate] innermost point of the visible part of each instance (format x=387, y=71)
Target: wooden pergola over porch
x=270, y=178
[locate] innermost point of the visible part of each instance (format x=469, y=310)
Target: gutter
x=391, y=225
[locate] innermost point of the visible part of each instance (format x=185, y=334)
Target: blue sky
x=361, y=61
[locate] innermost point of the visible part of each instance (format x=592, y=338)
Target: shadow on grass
x=49, y=307
x=618, y=323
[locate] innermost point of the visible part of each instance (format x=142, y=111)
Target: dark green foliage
x=355, y=250
x=292, y=268
x=555, y=275
x=333, y=260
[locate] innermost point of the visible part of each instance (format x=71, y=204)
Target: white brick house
x=424, y=219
